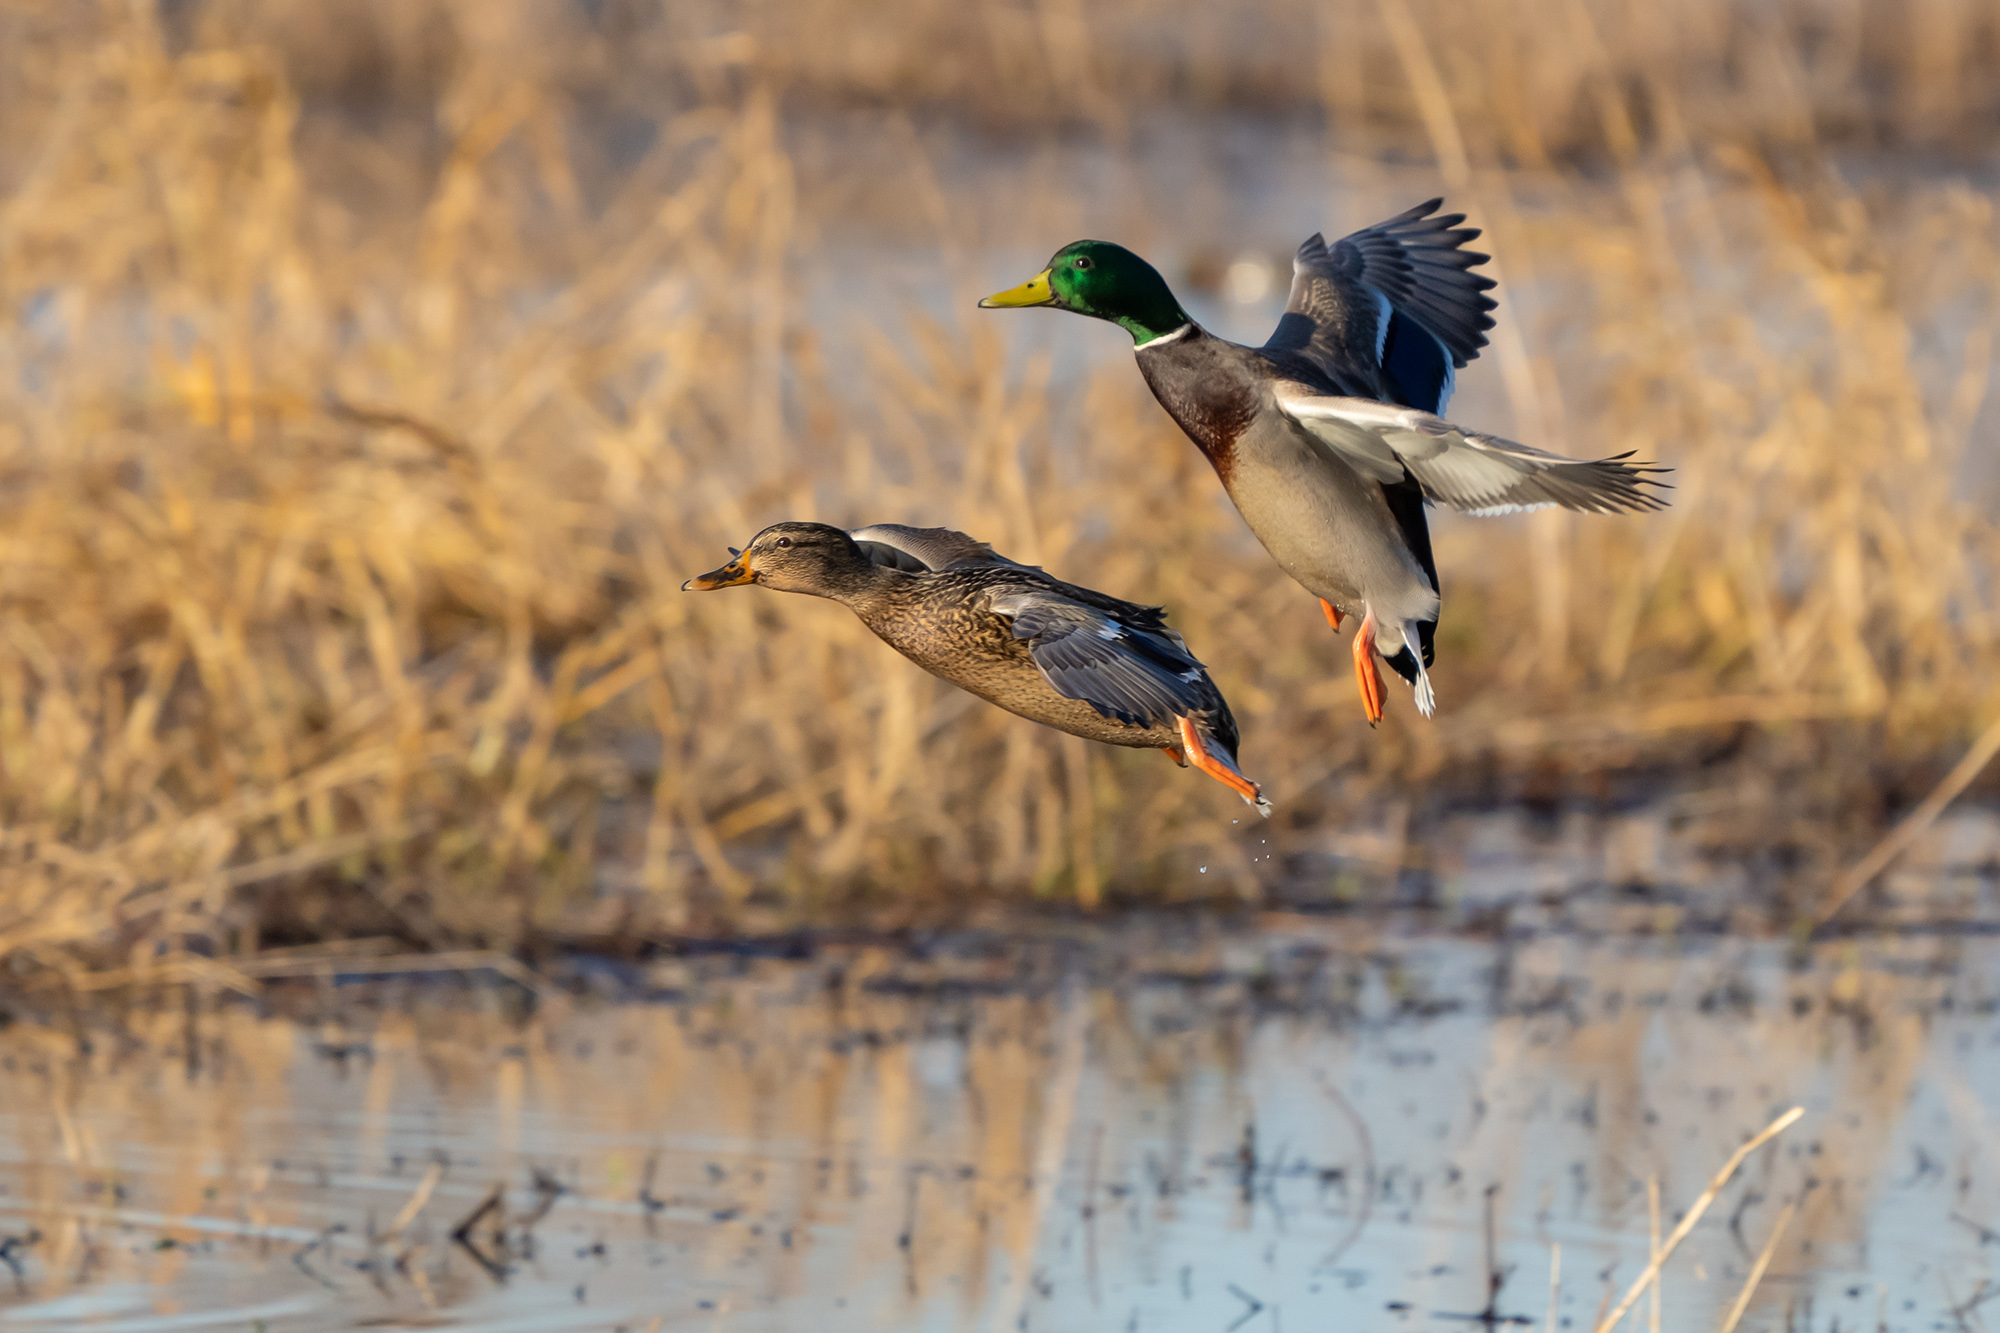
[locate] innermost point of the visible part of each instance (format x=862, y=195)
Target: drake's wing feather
x=920, y=549
x=1141, y=674
x=1479, y=474
x=1398, y=298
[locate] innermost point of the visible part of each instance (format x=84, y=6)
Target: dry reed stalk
x=1555, y=1284
x=1651, y=1274
x=414, y=1204
x=1912, y=826
x=1653, y=1249
x=347, y=484
x=1757, y=1270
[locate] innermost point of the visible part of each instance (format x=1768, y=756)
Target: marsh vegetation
x=370, y=385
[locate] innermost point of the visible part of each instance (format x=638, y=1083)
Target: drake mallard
x=1330, y=437
x=1055, y=653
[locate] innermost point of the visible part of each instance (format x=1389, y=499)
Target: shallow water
x=1142, y=1128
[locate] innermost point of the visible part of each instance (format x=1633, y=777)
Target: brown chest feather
x=1214, y=410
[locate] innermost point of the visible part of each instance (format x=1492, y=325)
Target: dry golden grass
x=362, y=412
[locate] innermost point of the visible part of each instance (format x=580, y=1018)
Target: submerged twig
x=322, y=1241
x=11, y=1249
x=1987, y=1235
x=461, y=1235
x=547, y=1190
x=1254, y=1308
x=1090, y=1213
x=906, y=1240
x=1495, y=1279
x=1367, y=1176
x=1984, y=1292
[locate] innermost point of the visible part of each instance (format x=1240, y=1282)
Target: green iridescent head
x=1104, y=281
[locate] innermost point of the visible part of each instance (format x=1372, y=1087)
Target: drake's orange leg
x=1366, y=673
x=1332, y=612
x=1199, y=756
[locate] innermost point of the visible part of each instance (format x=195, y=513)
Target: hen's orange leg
x=1199, y=756
x=1332, y=612
x=1173, y=752
x=1366, y=673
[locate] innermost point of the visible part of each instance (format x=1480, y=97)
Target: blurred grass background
x=371, y=374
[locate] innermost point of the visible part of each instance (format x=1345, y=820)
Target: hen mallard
x=1329, y=437
x=1049, y=651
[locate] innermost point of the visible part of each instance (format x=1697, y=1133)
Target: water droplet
x=1204, y=870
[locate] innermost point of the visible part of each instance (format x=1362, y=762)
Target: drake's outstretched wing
x=922, y=549
x=1396, y=302
x=1479, y=474
x=1140, y=674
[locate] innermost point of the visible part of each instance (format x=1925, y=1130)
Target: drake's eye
x=1083, y=261
x=784, y=541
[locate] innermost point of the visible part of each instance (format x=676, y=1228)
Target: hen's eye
x=784, y=541
x=1083, y=261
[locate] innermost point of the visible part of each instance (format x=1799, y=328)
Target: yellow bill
x=1035, y=291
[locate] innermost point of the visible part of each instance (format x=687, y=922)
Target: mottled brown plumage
x=1053, y=652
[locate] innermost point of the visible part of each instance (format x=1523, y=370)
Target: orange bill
x=732, y=575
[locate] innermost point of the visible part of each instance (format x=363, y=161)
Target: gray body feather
x=1327, y=438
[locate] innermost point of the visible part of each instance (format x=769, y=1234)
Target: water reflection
x=1303, y=1125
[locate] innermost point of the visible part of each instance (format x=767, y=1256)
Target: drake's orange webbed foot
x=1333, y=616
x=1366, y=673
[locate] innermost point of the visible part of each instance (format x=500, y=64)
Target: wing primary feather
x=1416, y=264
x=1125, y=663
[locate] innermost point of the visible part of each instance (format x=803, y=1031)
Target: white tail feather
x=1426, y=697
